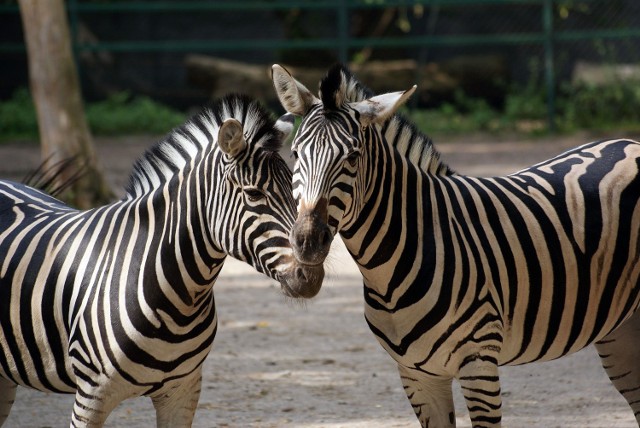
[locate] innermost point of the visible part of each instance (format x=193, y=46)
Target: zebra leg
x=176, y=404
x=7, y=397
x=620, y=355
x=430, y=396
x=95, y=401
x=480, y=385
x=91, y=410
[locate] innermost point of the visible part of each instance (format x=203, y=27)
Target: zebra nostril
x=299, y=239
x=325, y=238
x=301, y=275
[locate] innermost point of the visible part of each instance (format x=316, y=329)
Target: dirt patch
x=276, y=363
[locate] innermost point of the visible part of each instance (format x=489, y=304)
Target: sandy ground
x=277, y=363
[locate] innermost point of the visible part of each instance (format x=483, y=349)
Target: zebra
x=117, y=301
x=465, y=274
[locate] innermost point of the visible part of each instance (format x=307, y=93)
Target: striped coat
x=117, y=301
x=464, y=274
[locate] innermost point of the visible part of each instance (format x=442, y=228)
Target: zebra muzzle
x=302, y=281
x=310, y=236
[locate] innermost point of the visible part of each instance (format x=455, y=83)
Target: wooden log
x=436, y=82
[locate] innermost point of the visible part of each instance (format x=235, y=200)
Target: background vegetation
x=120, y=114
x=611, y=107
x=603, y=108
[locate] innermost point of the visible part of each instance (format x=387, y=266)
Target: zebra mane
x=170, y=155
x=340, y=86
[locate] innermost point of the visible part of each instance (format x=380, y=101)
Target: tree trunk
x=53, y=79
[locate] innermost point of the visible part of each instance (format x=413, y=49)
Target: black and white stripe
x=464, y=274
x=117, y=301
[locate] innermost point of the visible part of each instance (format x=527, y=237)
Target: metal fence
x=537, y=24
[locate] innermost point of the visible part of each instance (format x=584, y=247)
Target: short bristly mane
x=169, y=156
x=340, y=86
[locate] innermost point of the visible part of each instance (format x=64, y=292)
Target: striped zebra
x=117, y=301
x=464, y=274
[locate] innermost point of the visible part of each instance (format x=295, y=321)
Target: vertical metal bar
x=343, y=31
x=549, y=65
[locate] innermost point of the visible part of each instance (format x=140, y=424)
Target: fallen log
x=476, y=75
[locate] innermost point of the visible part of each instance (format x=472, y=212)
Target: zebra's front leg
x=620, y=356
x=430, y=396
x=176, y=403
x=7, y=397
x=480, y=385
x=92, y=406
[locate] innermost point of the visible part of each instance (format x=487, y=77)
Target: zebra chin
x=301, y=281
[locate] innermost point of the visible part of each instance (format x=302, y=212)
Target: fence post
x=549, y=65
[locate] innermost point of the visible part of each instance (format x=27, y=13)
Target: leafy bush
x=18, y=117
x=525, y=104
x=601, y=107
x=120, y=114
x=578, y=107
x=464, y=115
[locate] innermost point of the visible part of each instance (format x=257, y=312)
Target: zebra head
x=332, y=151
x=252, y=208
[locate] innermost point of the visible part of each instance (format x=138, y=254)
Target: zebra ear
x=293, y=95
x=231, y=138
x=379, y=108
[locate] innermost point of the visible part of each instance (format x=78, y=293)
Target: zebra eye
x=254, y=195
x=294, y=154
x=353, y=158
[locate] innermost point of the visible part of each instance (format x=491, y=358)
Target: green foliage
x=120, y=114
x=449, y=119
x=18, y=119
x=527, y=103
x=604, y=107
x=463, y=115
x=615, y=106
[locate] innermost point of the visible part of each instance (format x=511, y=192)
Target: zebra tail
x=46, y=177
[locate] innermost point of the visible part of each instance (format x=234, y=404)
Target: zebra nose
x=325, y=237
x=304, y=240
x=311, y=240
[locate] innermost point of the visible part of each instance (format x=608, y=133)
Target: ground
x=278, y=363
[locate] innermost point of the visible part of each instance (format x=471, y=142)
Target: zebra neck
x=389, y=221
x=413, y=145
x=186, y=259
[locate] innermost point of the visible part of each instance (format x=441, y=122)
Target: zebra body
x=537, y=279
x=464, y=274
x=117, y=301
